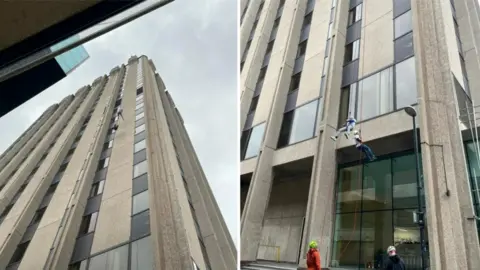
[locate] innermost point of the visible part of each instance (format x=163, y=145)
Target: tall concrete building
x=306, y=66
x=108, y=179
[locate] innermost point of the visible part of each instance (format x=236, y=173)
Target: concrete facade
x=373, y=85
x=59, y=205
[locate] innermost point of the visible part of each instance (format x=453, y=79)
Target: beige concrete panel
x=289, y=29
x=295, y=152
x=317, y=40
x=248, y=166
x=270, y=86
x=38, y=250
x=321, y=14
x=245, y=103
x=373, y=10
x=376, y=45
x=247, y=24
x=383, y=126
x=310, y=82
x=9, y=247
x=473, y=69
x=114, y=209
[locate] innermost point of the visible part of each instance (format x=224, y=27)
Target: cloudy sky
x=194, y=47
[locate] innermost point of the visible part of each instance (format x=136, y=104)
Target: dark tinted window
x=140, y=156
x=139, y=137
x=404, y=47
x=82, y=248
x=140, y=184
x=140, y=225
x=285, y=129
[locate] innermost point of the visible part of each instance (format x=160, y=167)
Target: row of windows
x=139, y=73
x=37, y=217
x=89, y=220
x=252, y=33
x=263, y=71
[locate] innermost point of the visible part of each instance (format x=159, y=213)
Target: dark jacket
x=395, y=263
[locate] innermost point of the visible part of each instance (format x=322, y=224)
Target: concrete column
x=453, y=238
x=278, y=78
x=321, y=199
x=257, y=52
x=170, y=239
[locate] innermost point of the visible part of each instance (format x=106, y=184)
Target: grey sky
x=194, y=47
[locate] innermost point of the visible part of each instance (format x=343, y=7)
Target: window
x=140, y=91
x=88, y=223
x=404, y=47
x=139, y=116
x=140, y=184
x=351, y=51
x=299, y=124
x=139, y=97
x=330, y=26
x=114, y=259
x=140, y=168
x=270, y=47
x=140, y=136
x=139, y=146
x=79, y=266
x=139, y=111
x=406, y=82
x=400, y=6
x=302, y=48
x=139, y=128
x=140, y=225
x=307, y=20
x=140, y=202
x=38, y=215
x=19, y=252
x=141, y=254
x=347, y=103
x=138, y=106
x=139, y=156
x=273, y=34
x=403, y=24
x=253, y=105
x=108, y=145
x=355, y=14
x=6, y=211
x=255, y=141
x=139, y=101
x=57, y=177
x=103, y=163
x=97, y=188
x=325, y=66
x=295, y=82
x=375, y=95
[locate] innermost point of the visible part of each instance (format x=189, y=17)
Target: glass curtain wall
x=374, y=209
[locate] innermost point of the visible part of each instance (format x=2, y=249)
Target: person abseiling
x=362, y=147
x=347, y=128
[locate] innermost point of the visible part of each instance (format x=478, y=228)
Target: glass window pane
x=141, y=254
x=474, y=172
x=255, y=141
x=140, y=202
x=140, y=168
x=285, y=129
x=403, y=24
x=346, y=243
x=140, y=184
x=404, y=47
x=349, y=192
x=139, y=128
x=404, y=182
x=407, y=238
x=375, y=95
x=377, y=186
x=93, y=222
x=140, y=225
x=400, y=6
x=139, y=146
x=303, y=126
x=376, y=235
x=139, y=116
x=406, y=80
x=116, y=259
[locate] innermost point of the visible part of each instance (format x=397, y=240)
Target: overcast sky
x=194, y=47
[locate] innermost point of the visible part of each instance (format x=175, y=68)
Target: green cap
x=313, y=244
